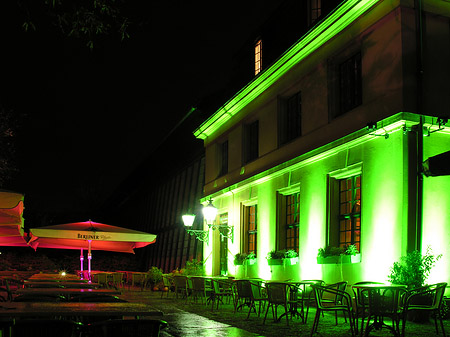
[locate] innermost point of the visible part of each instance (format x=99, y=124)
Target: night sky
x=90, y=117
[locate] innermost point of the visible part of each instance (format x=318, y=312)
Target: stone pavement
x=196, y=319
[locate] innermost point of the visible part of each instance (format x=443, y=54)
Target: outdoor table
x=66, y=291
x=85, y=285
x=78, y=309
x=383, y=301
x=54, y=276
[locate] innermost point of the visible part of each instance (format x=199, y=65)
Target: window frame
x=258, y=56
x=223, y=158
x=289, y=118
x=250, y=142
x=281, y=230
x=246, y=232
x=333, y=203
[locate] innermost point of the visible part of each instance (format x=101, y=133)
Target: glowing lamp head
x=209, y=212
x=188, y=219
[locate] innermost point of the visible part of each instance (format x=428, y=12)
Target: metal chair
x=201, y=288
x=307, y=297
x=167, y=283
x=337, y=298
x=242, y=294
x=220, y=290
x=427, y=299
x=345, y=306
x=126, y=328
x=258, y=295
x=277, y=295
x=180, y=283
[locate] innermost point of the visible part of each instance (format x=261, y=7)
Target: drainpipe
x=419, y=55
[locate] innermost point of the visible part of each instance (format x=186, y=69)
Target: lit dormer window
x=258, y=59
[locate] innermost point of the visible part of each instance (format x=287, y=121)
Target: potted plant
x=291, y=255
x=239, y=259
x=194, y=268
x=332, y=254
x=154, y=276
x=251, y=258
x=413, y=270
x=276, y=257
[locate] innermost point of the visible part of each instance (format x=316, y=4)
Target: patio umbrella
x=89, y=235
x=11, y=220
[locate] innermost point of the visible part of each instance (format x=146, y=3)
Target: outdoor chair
x=45, y=328
x=126, y=328
x=117, y=280
x=180, y=283
x=243, y=294
x=345, y=306
x=102, y=279
x=278, y=295
x=7, y=290
x=307, y=298
x=258, y=295
x=167, y=283
x=361, y=305
x=336, y=298
x=425, y=299
x=220, y=289
x=201, y=287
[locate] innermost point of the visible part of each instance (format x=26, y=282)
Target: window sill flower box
x=274, y=262
x=344, y=259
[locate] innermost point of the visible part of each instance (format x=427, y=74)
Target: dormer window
x=258, y=56
x=315, y=10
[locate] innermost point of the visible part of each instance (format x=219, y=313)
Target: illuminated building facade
x=326, y=145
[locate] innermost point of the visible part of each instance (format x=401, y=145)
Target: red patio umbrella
x=11, y=219
x=89, y=235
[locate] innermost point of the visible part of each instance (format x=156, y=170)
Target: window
x=344, y=212
x=250, y=229
x=223, y=158
x=315, y=10
x=350, y=83
x=292, y=221
x=258, y=56
x=288, y=206
x=289, y=118
x=250, y=142
x=223, y=247
x=350, y=211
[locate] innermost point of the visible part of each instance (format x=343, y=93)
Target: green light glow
x=340, y=19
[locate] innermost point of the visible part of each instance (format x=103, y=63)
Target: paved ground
x=195, y=319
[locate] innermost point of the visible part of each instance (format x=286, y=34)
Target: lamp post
x=200, y=234
x=209, y=214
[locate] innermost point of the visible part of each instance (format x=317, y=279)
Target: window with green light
x=288, y=219
x=289, y=118
x=250, y=228
x=223, y=218
x=350, y=211
x=292, y=221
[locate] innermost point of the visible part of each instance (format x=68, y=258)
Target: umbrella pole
x=81, y=263
x=89, y=260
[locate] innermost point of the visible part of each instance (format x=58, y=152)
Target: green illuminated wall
x=385, y=34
